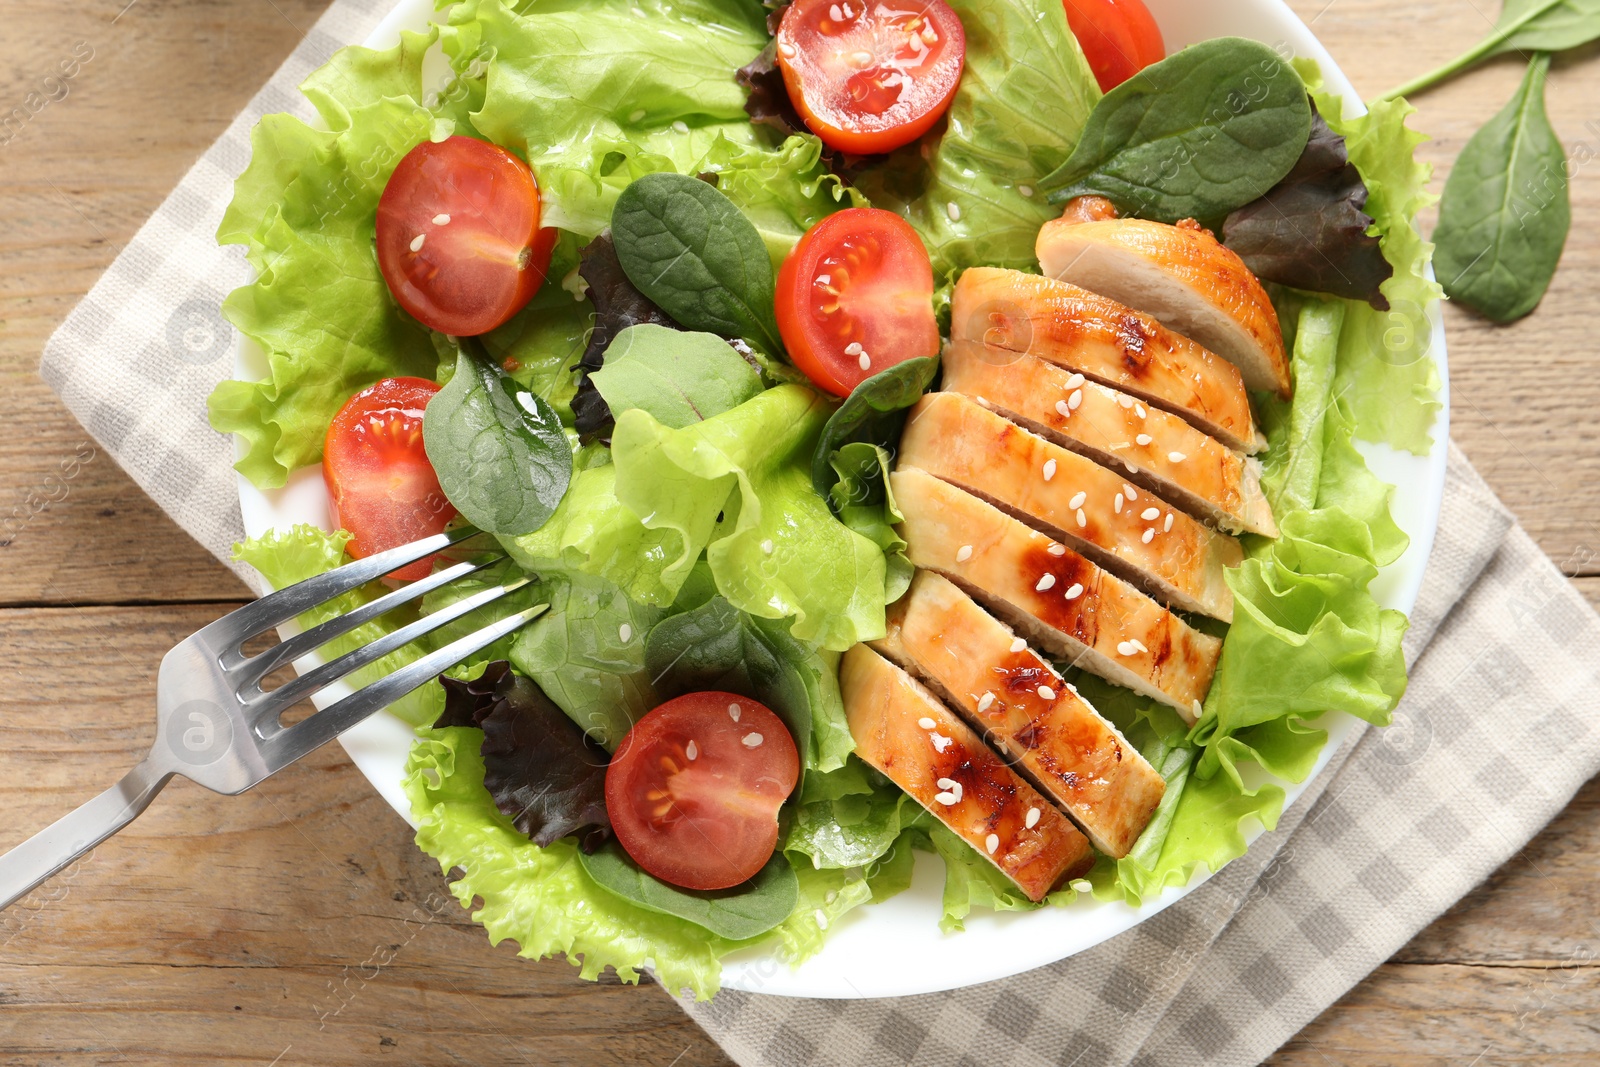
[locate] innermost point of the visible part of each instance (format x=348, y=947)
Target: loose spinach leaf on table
x=1309, y=231
x=1205, y=131
x=543, y=772
x=1523, y=26
x=690, y=250
x=498, y=448
x=617, y=305
x=679, y=378
x=1505, y=214
x=748, y=909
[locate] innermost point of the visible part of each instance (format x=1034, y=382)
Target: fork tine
x=264, y=706
x=259, y=666
x=277, y=608
x=317, y=730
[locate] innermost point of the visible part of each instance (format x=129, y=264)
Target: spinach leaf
x=743, y=911
x=498, y=448
x=874, y=412
x=543, y=772
x=716, y=646
x=680, y=378
x=617, y=305
x=1204, y=131
x=1523, y=26
x=1309, y=231
x=1505, y=214
x=690, y=250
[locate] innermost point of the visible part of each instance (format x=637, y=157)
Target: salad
x=928, y=428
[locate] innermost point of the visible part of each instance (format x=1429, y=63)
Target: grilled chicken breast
x=1017, y=701
x=1059, y=600
x=908, y=734
x=1178, y=560
x=1180, y=274
x=1107, y=341
x=1156, y=449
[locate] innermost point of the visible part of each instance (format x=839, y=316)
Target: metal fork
x=215, y=724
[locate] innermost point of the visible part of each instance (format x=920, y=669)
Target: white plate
x=895, y=948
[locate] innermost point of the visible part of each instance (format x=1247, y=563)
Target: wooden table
x=224, y=931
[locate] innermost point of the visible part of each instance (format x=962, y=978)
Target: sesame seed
x=926, y=723
x=822, y=920
x=835, y=14
x=1033, y=818
x=948, y=784
x=1127, y=491
x=1150, y=514
x=1046, y=693
x=1125, y=401
x=1057, y=550
x=625, y=633
x=854, y=347
x=1166, y=527
x=1018, y=644
x=787, y=49
x=1078, y=501
x=946, y=799
x=1129, y=467
x=1117, y=505
x=1083, y=520
x=865, y=361
x=963, y=553
x=733, y=712
x=1176, y=457
x=983, y=400
x=1125, y=648
x=1075, y=400
x=441, y=220
x=637, y=115
x=940, y=742
x=1062, y=409
x=1138, y=409
x=767, y=546
x=691, y=750
x=416, y=242
x=1149, y=535
x=1136, y=643
x=1047, y=582
x=1049, y=469
x=986, y=702
x=751, y=740
x=1143, y=439
x=1076, y=381
x=991, y=843
x=953, y=210
x=1075, y=592
x=1025, y=190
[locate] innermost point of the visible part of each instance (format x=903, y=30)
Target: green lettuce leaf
x=1386, y=373
x=679, y=378
x=784, y=192
x=1025, y=95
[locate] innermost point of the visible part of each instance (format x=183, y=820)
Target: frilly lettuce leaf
x=1386, y=374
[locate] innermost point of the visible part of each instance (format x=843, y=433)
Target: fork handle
x=50, y=850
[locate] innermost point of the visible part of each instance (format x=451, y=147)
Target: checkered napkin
x=1491, y=741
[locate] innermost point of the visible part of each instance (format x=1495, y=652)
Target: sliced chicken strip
x=1107, y=341
x=1017, y=702
x=1053, y=596
x=907, y=733
x=1180, y=274
x=1153, y=448
x=1177, y=559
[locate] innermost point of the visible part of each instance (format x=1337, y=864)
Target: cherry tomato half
x=868, y=77
x=459, y=242
x=1119, y=37
x=855, y=297
x=380, y=483
x=693, y=791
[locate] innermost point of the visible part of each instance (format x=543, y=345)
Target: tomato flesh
x=458, y=235
x=1119, y=38
x=870, y=77
x=855, y=297
x=694, y=789
x=380, y=484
